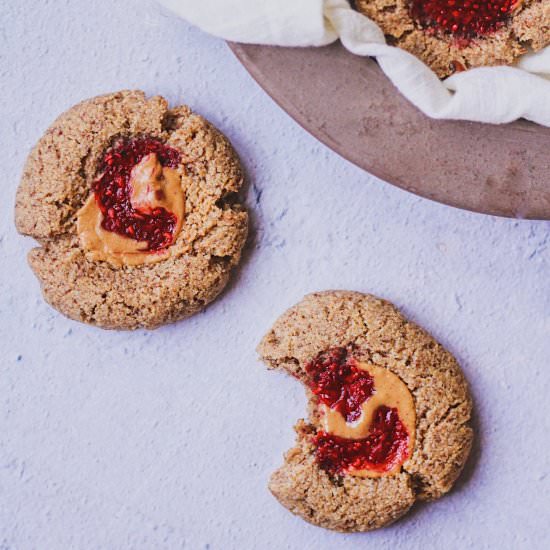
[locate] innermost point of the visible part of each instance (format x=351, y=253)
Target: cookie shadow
x=472, y=463
x=252, y=237
x=464, y=480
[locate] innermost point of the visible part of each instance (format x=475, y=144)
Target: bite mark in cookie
x=389, y=412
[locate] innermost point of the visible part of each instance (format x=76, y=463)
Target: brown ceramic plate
x=347, y=102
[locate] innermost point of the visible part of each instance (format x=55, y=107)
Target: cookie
x=389, y=412
x=454, y=36
x=136, y=210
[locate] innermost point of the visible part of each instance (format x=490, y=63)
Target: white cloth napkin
x=488, y=94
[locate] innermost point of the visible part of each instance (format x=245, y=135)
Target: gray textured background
x=166, y=439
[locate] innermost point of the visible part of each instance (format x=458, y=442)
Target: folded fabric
x=487, y=94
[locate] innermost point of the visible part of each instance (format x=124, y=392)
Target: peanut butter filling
x=390, y=391
x=152, y=186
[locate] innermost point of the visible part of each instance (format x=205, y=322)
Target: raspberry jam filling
x=385, y=447
x=338, y=383
x=113, y=191
x=463, y=18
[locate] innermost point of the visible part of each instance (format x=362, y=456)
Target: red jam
x=112, y=192
x=386, y=446
x=338, y=383
x=463, y=18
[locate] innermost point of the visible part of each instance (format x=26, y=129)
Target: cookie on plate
x=136, y=210
x=455, y=35
x=389, y=412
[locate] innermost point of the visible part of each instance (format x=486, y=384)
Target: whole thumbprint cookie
x=389, y=412
x=453, y=35
x=136, y=210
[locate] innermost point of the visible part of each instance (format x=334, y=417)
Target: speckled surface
x=166, y=439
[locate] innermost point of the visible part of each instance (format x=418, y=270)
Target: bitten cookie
x=136, y=210
x=455, y=35
x=389, y=412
